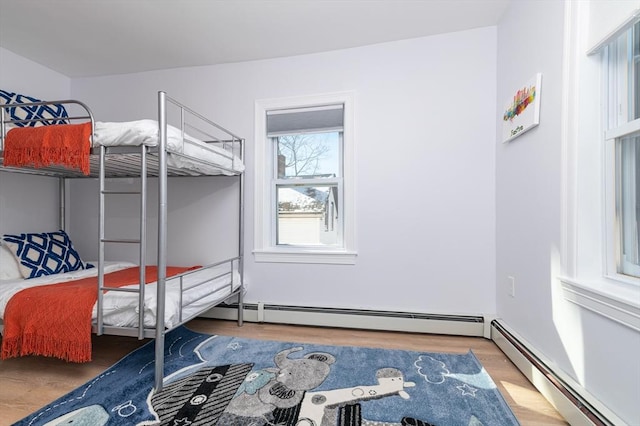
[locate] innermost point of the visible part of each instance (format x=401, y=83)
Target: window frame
x=618, y=94
x=289, y=182
x=265, y=208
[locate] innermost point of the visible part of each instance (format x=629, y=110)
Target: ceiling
x=81, y=38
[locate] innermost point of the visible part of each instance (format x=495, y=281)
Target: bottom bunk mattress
x=187, y=294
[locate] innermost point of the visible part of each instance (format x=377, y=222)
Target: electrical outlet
x=511, y=286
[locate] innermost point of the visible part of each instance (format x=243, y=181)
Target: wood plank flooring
x=29, y=383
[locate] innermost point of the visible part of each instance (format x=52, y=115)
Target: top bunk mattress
x=31, y=131
x=187, y=155
x=190, y=153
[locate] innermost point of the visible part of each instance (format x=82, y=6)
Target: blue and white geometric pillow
x=40, y=254
x=51, y=114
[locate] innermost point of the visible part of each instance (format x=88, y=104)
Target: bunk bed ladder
x=141, y=241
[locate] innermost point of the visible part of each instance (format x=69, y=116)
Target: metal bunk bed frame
x=158, y=168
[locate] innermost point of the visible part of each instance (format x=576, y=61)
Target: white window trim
x=608, y=298
x=264, y=250
x=611, y=295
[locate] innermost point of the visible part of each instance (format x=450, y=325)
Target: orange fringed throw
x=55, y=320
x=42, y=146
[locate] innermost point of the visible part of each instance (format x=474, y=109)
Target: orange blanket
x=55, y=320
x=42, y=146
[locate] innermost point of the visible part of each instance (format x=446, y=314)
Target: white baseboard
x=459, y=325
x=571, y=400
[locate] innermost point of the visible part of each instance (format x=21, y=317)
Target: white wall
x=20, y=212
x=200, y=226
x=599, y=354
x=21, y=75
x=424, y=175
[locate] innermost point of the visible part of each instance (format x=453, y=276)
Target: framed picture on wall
x=522, y=110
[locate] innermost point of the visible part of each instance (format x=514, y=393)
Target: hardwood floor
x=29, y=383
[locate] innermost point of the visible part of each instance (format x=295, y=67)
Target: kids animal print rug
x=224, y=380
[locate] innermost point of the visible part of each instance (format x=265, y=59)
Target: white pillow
x=9, y=269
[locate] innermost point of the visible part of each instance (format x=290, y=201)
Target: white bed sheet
x=145, y=132
x=121, y=308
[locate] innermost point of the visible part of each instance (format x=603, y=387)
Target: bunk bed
x=194, y=146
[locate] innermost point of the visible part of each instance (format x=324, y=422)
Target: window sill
x=305, y=256
x=617, y=301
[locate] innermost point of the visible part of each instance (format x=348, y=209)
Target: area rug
x=224, y=380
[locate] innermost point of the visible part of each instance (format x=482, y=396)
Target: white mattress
x=193, y=150
x=187, y=153
x=121, y=308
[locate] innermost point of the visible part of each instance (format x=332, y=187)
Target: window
x=599, y=187
x=622, y=138
x=306, y=149
x=304, y=180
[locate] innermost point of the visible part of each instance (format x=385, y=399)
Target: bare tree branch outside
x=302, y=155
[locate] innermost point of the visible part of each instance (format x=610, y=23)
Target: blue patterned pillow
x=44, y=254
x=53, y=114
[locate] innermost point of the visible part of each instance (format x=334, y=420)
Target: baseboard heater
x=462, y=325
x=566, y=395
